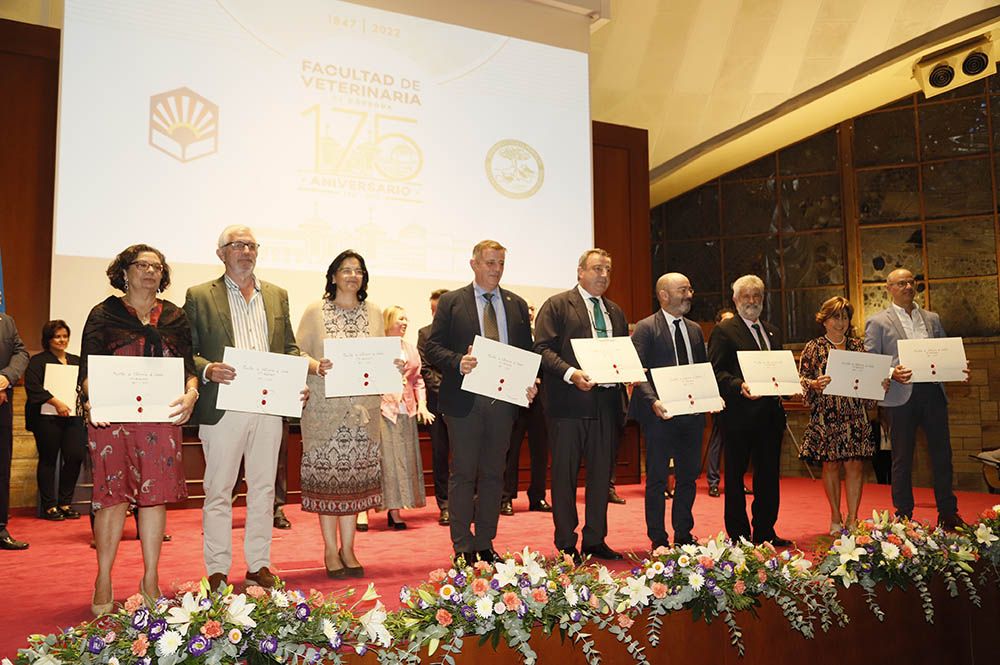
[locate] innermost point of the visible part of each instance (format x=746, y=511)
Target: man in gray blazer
x=13, y=362
x=910, y=405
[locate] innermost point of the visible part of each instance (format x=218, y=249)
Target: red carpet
x=49, y=585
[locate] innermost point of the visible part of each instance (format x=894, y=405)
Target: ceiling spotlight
x=975, y=63
x=941, y=76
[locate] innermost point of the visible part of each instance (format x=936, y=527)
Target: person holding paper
x=437, y=429
x=585, y=419
x=752, y=426
x=58, y=429
x=402, y=466
x=479, y=427
x=664, y=339
x=910, y=405
x=240, y=311
x=838, y=433
x=13, y=361
x=341, y=442
x=136, y=463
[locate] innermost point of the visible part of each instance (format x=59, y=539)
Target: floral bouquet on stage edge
x=986, y=536
x=201, y=626
x=507, y=600
x=721, y=578
x=901, y=553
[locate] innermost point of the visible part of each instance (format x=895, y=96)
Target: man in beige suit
x=241, y=311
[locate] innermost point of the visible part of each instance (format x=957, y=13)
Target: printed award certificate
x=687, y=389
x=856, y=374
x=130, y=389
x=609, y=359
x=935, y=359
x=363, y=366
x=60, y=380
x=770, y=372
x=502, y=371
x=267, y=383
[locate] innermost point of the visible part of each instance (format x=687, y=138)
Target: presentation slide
x=323, y=125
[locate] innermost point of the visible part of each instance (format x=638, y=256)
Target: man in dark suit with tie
x=753, y=426
x=437, y=430
x=13, y=362
x=479, y=427
x=666, y=339
x=584, y=418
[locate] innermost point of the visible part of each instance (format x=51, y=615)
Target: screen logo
x=514, y=169
x=183, y=124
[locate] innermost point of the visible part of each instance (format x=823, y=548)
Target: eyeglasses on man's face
x=242, y=246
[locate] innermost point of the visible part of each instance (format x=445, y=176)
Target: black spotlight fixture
x=941, y=76
x=975, y=63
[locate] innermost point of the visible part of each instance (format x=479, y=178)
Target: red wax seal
x=774, y=378
x=856, y=380
x=138, y=398
x=501, y=380
x=139, y=409
x=933, y=371
x=855, y=387
x=932, y=365
x=263, y=401
x=691, y=397
x=264, y=391
x=499, y=389
x=692, y=402
x=366, y=383
x=366, y=376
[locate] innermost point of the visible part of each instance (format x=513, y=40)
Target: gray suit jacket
x=13, y=356
x=882, y=332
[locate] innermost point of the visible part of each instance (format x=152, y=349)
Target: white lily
x=848, y=550
x=985, y=535
x=636, y=591
x=239, y=611
x=714, y=548
x=531, y=567
x=373, y=625
x=181, y=616
x=505, y=573
x=848, y=577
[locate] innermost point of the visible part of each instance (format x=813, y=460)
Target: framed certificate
x=608, y=359
x=267, y=383
x=502, y=371
x=60, y=380
x=933, y=360
x=856, y=374
x=687, y=389
x=131, y=389
x=363, y=366
x=770, y=372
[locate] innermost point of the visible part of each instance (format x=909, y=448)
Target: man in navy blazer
x=666, y=339
x=478, y=427
x=910, y=405
x=13, y=362
x=584, y=419
x=753, y=426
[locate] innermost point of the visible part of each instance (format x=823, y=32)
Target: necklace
x=842, y=340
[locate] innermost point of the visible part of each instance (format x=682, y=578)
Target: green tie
x=599, y=324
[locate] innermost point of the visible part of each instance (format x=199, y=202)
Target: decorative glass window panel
x=813, y=155
x=961, y=248
x=954, y=129
x=811, y=202
x=958, y=188
x=813, y=259
x=748, y=207
x=885, y=250
x=885, y=138
x=967, y=308
x=888, y=195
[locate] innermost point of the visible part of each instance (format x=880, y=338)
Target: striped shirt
x=249, y=318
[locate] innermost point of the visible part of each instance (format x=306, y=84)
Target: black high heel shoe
x=393, y=524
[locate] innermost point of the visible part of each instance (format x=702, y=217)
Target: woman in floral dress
x=341, y=468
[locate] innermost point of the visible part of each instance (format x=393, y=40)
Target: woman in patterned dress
x=136, y=463
x=402, y=466
x=341, y=467
x=839, y=432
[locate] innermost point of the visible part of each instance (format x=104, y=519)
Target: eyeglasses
x=350, y=271
x=903, y=282
x=241, y=246
x=145, y=266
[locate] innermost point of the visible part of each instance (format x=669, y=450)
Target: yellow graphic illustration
x=364, y=144
x=183, y=124
x=514, y=169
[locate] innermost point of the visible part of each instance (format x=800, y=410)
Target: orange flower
x=761, y=575
x=594, y=602
x=133, y=602
x=511, y=601
x=659, y=589
x=892, y=538
x=481, y=566
x=565, y=580
x=740, y=587
x=211, y=629
x=862, y=540
x=540, y=596
x=624, y=621
x=188, y=587
x=707, y=562
x=255, y=591
x=438, y=575
x=315, y=598
x=140, y=645
x=989, y=514
x=760, y=556
x=480, y=586
x=443, y=617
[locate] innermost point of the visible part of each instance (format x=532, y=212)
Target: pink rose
x=438, y=575
x=255, y=591
x=540, y=596
x=659, y=589
x=133, y=602
x=140, y=645
x=511, y=601
x=480, y=586
x=211, y=629
x=443, y=617
x=740, y=587
x=624, y=621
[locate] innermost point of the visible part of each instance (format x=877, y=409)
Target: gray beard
x=750, y=312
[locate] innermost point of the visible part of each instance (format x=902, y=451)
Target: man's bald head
x=674, y=292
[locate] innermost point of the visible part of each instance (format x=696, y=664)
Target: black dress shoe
x=53, y=514
x=506, y=508
x=8, y=543
x=777, y=541
x=444, y=519
x=713, y=490
x=489, y=556
x=668, y=493
x=613, y=497
x=685, y=540
x=602, y=551
x=281, y=522
x=463, y=559
x=393, y=524
x=69, y=512
x=542, y=506
x=572, y=553
x=951, y=522
x=747, y=491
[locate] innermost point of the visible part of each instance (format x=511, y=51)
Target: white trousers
x=255, y=439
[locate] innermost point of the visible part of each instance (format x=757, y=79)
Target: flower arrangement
x=507, y=600
x=722, y=578
x=896, y=552
x=986, y=537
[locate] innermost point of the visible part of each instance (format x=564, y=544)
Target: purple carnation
x=140, y=619
x=302, y=612
x=336, y=641
x=468, y=613
x=576, y=615
x=710, y=584
x=156, y=629
x=522, y=609
x=584, y=593
x=269, y=645
x=460, y=580
x=95, y=644
x=772, y=564
x=495, y=584
x=422, y=604
x=205, y=603
x=145, y=660
x=636, y=572
x=361, y=649
x=524, y=582
x=700, y=569
x=199, y=645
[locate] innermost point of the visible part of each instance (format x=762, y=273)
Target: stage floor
x=49, y=585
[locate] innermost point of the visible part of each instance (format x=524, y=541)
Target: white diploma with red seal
x=265, y=383
x=857, y=374
x=133, y=389
x=609, y=359
x=933, y=360
x=770, y=372
x=60, y=380
x=363, y=366
x=685, y=389
x=502, y=371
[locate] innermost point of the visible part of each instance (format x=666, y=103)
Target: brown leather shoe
x=613, y=496
x=262, y=578
x=506, y=508
x=215, y=580
x=951, y=522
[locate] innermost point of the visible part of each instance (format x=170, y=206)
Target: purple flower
x=495, y=584
x=772, y=564
x=361, y=649
x=524, y=582
x=140, y=619
x=336, y=641
x=460, y=580
x=156, y=629
x=584, y=593
x=700, y=569
x=422, y=604
x=302, y=611
x=522, y=609
x=205, y=603
x=199, y=645
x=145, y=660
x=468, y=613
x=269, y=645
x=95, y=644
x=710, y=584
x=456, y=597
x=636, y=572
x=575, y=615
x=404, y=594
